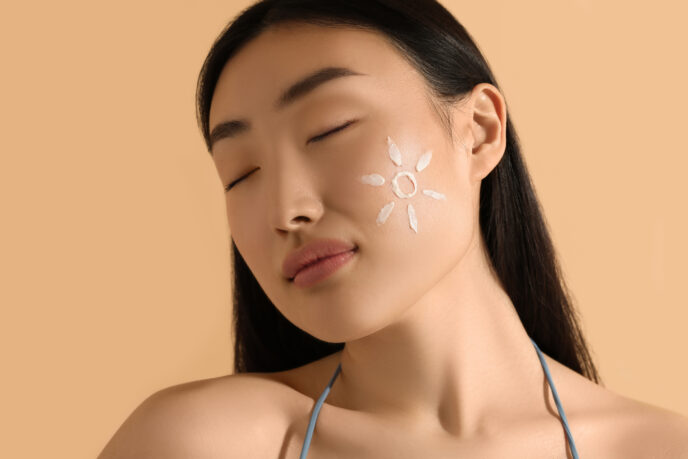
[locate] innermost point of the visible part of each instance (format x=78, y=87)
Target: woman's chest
x=352, y=436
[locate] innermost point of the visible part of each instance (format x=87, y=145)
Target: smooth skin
x=436, y=362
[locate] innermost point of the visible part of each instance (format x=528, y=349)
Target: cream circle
x=397, y=189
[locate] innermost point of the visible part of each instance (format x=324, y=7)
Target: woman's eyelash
x=313, y=139
x=332, y=131
x=231, y=184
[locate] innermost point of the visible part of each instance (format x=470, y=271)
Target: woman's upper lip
x=312, y=251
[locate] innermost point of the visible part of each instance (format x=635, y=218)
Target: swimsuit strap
x=316, y=410
x=560, y=408
x=323, y=396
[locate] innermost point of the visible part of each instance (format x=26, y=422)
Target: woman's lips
x=311, y=251
x=322, y=269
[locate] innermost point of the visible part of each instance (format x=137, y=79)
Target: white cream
x=434, y=194
x=393, y=151
x=377, y=180
x=384, y=213
x=373, y=179
x=424, y=160
x=397, y=189
x=413, y=222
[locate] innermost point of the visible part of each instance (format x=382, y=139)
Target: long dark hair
x=511, y=219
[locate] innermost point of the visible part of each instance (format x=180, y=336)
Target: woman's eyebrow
x=294, y=92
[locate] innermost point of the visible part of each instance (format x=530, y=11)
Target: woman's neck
x=457, y=360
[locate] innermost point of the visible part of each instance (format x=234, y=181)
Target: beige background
x=115, y=248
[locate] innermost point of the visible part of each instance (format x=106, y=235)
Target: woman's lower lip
x=322, y=269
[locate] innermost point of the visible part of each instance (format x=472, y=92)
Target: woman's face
x=302, y=187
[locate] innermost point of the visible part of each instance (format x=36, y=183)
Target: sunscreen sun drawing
x=378, y=180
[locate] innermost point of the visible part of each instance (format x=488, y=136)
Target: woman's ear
x=486, y=111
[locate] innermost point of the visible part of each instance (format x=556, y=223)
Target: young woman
x=396, y=290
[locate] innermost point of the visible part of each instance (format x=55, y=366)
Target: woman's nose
x=293, y=196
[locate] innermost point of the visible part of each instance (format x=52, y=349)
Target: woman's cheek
x=398, y=185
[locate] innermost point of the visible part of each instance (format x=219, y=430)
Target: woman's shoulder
x=644, y=430
x=227, y=416
x=253, y=414
x=607, y=423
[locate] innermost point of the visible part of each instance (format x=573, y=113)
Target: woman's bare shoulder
x=226, y=416
x=649, y=431
x=606, y=423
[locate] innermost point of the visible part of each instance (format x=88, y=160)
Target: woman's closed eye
x=331, y=131
x=231, y=184
x=312, y=139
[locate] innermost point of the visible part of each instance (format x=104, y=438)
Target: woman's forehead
x=280, y=56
